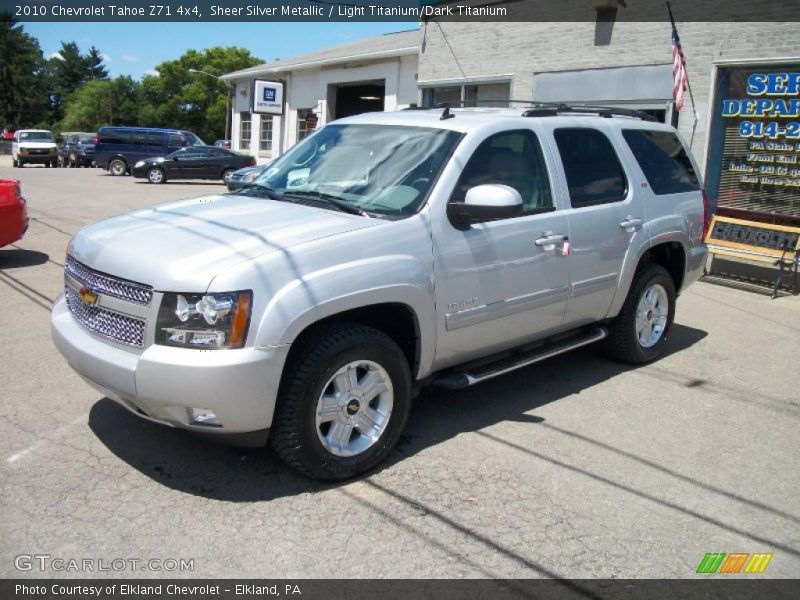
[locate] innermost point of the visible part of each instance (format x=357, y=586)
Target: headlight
x=251, y=176
x=138, y=164
x=207, y=321
x=53, y=150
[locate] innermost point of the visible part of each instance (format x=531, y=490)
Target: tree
x=67, y=70
x=180, y=99
x=102, y=102
x=95, y=69
x=21, y=76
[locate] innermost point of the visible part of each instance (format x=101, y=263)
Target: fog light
x=203, y=416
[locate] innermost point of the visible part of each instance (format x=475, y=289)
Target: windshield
x=383, y=169
x=193, y=138
x=86, y=138
x=36, y=136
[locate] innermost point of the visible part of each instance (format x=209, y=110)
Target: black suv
x=76, y=150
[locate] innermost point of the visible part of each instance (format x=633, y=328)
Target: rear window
x=663, y=160
x=594, y=173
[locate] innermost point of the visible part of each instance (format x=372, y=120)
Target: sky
x=136, y=48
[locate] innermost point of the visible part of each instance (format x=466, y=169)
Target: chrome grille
x=112, y=286
x=114, y=326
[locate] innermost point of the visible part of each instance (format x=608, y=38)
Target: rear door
x=606, y=216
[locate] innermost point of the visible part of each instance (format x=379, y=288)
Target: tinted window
x=594, y=174
x=115, y=136
x=512, y=158
x=663, y=160
x=154, y=138
x=176, y=140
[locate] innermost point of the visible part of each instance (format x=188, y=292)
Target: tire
x=226, y=173
x=346, y=349
x=48, y=165
x=624, y=342
x=117, y=167
x=156, y=175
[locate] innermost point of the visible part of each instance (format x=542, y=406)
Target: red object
x=13, y=213
x=8, y=135
x=706, y=213
x=680, y=79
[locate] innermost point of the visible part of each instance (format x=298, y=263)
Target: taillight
x=706, y=213
x=252, y=162
x=96, y=139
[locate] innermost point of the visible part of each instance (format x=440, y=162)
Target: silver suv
x=385, y=252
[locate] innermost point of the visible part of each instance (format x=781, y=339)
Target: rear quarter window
x=664, y=161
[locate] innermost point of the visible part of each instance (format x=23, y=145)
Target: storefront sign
x=752, y=234
x=268, y=97
x=757, y=138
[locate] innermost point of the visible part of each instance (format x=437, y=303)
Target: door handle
x=550, y=239
x=630, y=223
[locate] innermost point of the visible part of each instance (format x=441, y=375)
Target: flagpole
x=688, y=82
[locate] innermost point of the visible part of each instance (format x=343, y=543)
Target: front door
x=504, y=282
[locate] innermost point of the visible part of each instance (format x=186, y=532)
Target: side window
x=154, y=139
x=112, y=136
x=664, y=161
x=594, y=173
x=512, y=158
x=176, y=140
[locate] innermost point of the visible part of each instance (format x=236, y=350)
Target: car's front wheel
x=117, y=167
x=156, y=175
x=343, y=402
x=641, y=329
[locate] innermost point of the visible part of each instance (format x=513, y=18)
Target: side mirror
x=175, y=157
x=486, y=203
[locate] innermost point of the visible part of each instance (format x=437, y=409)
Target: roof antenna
x=446, y=114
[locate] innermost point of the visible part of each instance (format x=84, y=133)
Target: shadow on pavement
x=18, y=258
x=177, y=460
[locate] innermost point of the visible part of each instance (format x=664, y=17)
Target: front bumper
x=160, y=383
x=37, y=159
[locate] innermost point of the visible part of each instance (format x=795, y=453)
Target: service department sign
x=268, y=97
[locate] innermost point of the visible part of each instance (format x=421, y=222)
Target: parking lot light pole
x=228, y=90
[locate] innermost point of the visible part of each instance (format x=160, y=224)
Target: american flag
x=679, y=77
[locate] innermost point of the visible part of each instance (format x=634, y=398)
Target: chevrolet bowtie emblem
x=88, y=296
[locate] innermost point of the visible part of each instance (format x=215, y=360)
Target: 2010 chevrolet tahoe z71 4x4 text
x=385, y=252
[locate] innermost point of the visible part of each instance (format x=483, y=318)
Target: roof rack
x=552, y=109
x=543, y=109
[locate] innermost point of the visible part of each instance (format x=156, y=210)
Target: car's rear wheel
x=641, y=329
x=227, y=173
x=117, y=167
x=156, y=175
x=343, y=402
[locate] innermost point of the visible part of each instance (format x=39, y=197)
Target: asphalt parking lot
x=577, y=467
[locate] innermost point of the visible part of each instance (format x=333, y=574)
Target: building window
x=265, y=137
x=245, y=129
x=483, y=94
x=302, y=125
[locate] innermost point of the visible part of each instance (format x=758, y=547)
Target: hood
x=152, y=160
x=27, y=144
x=181, y=246
x=248, y=171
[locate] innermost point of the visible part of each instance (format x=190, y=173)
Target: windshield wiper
x=268, y=191
x=335, y=200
